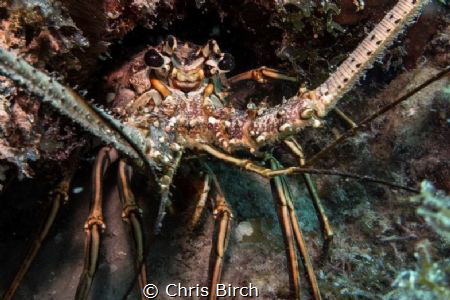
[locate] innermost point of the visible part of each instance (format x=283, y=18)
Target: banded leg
x=279, y=194
x=269, y=173
x=327, y=231
x=94, y=222
x=58, y=196
x=242, y=163
x=201, y=201
x=222, y=215
x=344, y=117
x=285, y=203
x=131, y=214
x=248, y=165
x=261, y=75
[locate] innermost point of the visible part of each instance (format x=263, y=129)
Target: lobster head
x=184, y=65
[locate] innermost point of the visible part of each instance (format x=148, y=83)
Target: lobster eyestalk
x=306, y=108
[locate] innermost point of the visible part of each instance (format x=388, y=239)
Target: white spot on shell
x=285, y=127
x=327, y=99
x=175, y=147
x=261, y=138
x=172, y=121
x=261, y=111
x=251, y=105
x=165, y=180
x=155, y=154
x=323, y=90
x=212, y=120
x=316, y=123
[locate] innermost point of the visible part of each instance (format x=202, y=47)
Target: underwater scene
x=211, y=149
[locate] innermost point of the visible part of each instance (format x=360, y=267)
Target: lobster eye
x=153, y=59
x=226, y=63
x=170, y=44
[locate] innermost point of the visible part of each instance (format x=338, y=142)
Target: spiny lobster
x=173, y=99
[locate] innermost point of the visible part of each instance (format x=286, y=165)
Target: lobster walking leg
x=344, y=117
x=279, y=194
x=94, y=223
x=327, y=231
x=285, y=204
x=261, y=75
x=248, y=165
x=301, y=245
x=242, y=163
x=325, y=224
x=222, y=215
x=57, y=196
x=131, y=214
x=201, y=201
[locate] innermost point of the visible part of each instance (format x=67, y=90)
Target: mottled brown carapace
x=179, y=90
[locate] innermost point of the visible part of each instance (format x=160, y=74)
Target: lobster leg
x=222, y=215
x=344, y=117
x=201, y=201
x=284, y=198
x=269, y=173
x=242, y=163
x=159, y=86
x=325, y=224
x=261, y=75
x=284, y=215
x=327, y=231
x=58, y=196
x=287, y=218
x=131, y=214
x=301, y=245
x=94, y=223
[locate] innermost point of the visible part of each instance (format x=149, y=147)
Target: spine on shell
x=70, y=104
x=362, y=58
